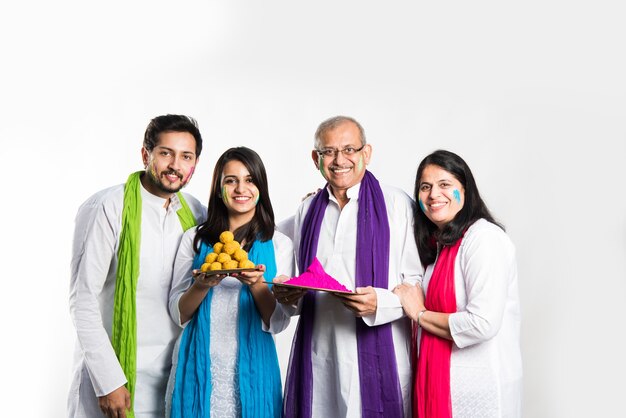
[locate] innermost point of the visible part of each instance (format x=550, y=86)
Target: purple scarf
x=378, y=371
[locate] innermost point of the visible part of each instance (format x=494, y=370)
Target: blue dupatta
x=260, y=388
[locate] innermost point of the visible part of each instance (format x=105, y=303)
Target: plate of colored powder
x=315, y=278
x=296, y=286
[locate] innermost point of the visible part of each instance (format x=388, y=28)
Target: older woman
x=467, y=309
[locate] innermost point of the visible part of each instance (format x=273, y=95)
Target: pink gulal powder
x=315, y=276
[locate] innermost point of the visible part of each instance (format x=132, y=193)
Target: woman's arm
x=192, y=298
x=189, y=288
x=263, y=297
x=486, y=262
x=487, y=265
x=285, y=269
x=412, y=299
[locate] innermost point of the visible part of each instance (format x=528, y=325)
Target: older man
x=350, y=355
x=125, y=241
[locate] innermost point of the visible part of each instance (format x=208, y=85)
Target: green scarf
x=124, y=337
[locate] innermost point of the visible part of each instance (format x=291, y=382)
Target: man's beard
x=159, y=184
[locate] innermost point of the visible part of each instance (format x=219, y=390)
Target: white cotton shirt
x=336, y=390
x=224, y=341
x=486, y=361
x=97, y=371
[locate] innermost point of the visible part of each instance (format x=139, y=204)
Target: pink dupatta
x=431, y=397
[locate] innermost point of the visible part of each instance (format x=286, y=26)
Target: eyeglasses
x=332, y=152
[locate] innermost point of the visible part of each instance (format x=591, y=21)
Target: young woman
x=467, y=308
x=225, y=363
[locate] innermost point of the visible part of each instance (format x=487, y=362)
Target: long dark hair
x=427, y=234
x=262, y=224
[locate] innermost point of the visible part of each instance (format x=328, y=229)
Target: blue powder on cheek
x=457, y=195
x=422, y=205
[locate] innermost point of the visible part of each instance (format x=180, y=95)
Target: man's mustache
x=176, y=173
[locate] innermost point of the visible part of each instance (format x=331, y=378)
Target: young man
x=350, y=356
x=125, y=241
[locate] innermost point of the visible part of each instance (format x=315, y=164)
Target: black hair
x=427, y=234
x=171, y=123
x=262, y=224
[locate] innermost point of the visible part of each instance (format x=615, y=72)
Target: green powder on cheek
x=224, y=194
x=360, y=165
x=320, y=164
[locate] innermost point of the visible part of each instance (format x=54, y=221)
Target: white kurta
x=224, y=342
x=336, y=390
x=486, y=361
x=94, y=263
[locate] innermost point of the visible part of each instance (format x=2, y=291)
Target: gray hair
x=331, y=123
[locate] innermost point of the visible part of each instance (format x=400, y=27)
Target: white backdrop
x=531, y=94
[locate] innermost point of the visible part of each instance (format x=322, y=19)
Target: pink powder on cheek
x=191, y=170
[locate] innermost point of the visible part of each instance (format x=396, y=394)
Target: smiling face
x=170, y=165
x=239, y=193
x=342, y=171
x=441, y=195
